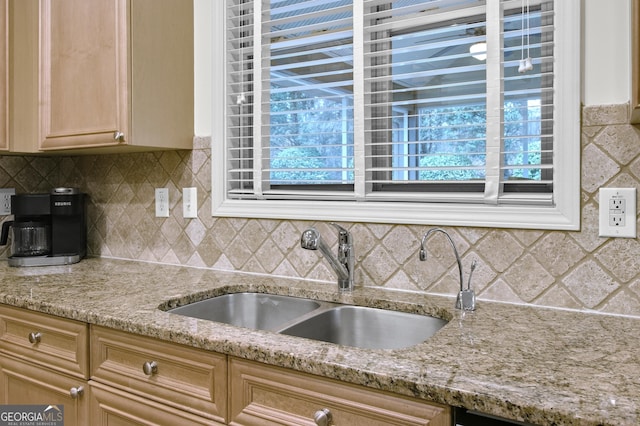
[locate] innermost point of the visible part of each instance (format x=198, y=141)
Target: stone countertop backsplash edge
x=539, y=365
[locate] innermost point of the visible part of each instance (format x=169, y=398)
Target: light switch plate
x=190, y=203
x=617, y=212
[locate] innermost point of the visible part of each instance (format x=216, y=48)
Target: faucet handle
x=310, y=239
x=471, y=269
x=344, y=237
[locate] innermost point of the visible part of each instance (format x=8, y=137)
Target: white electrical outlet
x=5, y=200
x=190, y=203
x=162, y=202
x=618, y=212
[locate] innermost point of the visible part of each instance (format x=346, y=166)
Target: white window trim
x=564, y=215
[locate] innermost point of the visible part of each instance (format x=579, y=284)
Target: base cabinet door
x=25, y=383
x=265, y=395
x=113, y=407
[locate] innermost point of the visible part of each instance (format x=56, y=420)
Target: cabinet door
x=264, y=395
x=83, y=73
x=25, y=383
x=635, y=61
x=4, y=75
x=113, y=407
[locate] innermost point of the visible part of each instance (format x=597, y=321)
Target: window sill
x=476, y=215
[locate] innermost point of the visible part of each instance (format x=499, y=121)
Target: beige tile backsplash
x=576, y=270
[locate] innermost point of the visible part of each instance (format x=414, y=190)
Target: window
x=401, y=111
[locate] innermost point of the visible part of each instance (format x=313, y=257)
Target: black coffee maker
x=48, y=229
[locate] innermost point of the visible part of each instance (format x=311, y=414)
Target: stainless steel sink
x=252, y=310
x=368, y=328
x=347, y=325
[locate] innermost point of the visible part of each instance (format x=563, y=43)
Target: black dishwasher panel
x=463, y=417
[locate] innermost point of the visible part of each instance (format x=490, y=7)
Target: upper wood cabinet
x=635, y=61
x=101, y=73
x=4, y=75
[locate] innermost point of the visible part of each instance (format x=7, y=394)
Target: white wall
x=606, y=52
x=203, y=40
x=605, y=63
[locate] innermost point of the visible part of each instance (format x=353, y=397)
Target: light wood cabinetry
x=106, y=377
x=55, y=343
x=635, y=61
x=115, y=74
x=114, y=407
x=182, y=381
x=4, y=75
x=265, y=395
x=26, y=383
x=44, y=360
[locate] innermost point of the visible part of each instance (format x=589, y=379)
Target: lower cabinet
x=134, y=377
x=114, y=407
x=44, y=360
x=105, y=377
x=266, y=395
x=26, y=383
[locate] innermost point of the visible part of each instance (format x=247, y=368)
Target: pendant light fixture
x=525, y=63
x=479, y=50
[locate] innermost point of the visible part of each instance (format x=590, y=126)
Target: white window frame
x=563, y=215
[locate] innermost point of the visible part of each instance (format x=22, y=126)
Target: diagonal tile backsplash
x=575, y=270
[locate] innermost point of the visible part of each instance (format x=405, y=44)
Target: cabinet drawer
x=113, y=407
x=266, y=395
x=56, y=343
x=186, y=378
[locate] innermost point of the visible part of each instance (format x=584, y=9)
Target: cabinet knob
x=35, y=337
x=76, y=392
x=150, y=368
x=118, y=136
x=323, y=417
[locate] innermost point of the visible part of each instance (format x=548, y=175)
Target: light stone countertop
x=543, y=366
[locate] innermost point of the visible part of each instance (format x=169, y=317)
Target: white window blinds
x=392, y=101
x=291, y=117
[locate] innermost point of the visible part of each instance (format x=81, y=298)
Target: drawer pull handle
x=118, y=136
x=35, y=337
x=150, y=368
x=323, y=417
x=76, y=392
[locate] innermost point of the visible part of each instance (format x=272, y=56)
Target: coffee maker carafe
x=48, y=229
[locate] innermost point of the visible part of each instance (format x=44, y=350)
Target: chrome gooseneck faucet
x=466, y=299
x=343, y=264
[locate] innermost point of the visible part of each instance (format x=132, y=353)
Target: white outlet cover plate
x=162, y=202
x=5, y=207
x=628, y=229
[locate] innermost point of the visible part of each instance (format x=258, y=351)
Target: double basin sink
x=348, y=325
